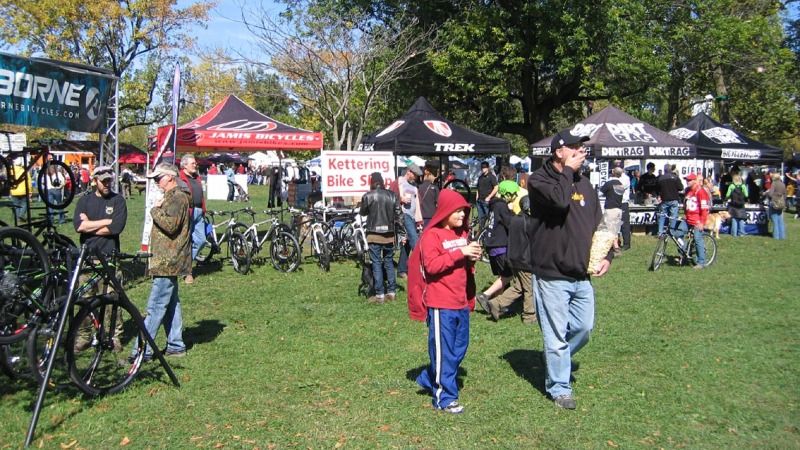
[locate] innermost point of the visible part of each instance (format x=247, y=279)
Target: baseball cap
x=163, y=169
x=415, y=169
x=566, y=138
x=103, y=173
x=691, y=176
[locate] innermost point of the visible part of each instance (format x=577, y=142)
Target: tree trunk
x=722, y=95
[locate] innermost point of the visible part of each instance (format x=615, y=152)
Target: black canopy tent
x=614, y=134
x=423, y=131
x=717, y=142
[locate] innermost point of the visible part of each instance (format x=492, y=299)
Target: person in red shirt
x=442, y=291
x=697, y=204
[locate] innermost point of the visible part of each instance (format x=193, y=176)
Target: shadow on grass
x=202, y=332
x=528, y=365
x=207, y=268
x=412, y=375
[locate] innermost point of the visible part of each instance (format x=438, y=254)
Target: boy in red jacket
x=442, y=291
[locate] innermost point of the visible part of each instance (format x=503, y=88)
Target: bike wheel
x=323, y=252
x=13, y=362
x=347, y=235
x=362, y=248
x=284, y=251
x=38, y=348
x=24, y=267
x=461, y=186
x=240, y=253
x=659, y=256
x=69, y=192
x=6, y=176
x=95, y=347
x=710, y=245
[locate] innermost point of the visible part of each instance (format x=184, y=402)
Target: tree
x=133, y=38
x=337, y=65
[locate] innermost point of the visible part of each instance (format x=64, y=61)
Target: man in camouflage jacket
x=171, y=245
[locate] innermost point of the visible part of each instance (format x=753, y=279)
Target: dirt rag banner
x=50, y=94
x=346, y=174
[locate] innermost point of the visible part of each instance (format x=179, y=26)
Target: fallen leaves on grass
x=125, y=441
x=70, y=444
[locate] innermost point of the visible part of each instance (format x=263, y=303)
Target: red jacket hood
x=449, y=201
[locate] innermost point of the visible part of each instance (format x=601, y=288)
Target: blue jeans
x=737, y=227
x=198, y=231
x=20, y=206
x=566, y=317
x=55, y=197
x=448, y=339
x=670, y=208
x=165, y=306
x=778, y=227
x=411, y=242
x=382, y=256
x=483, y=212
x=699, y=245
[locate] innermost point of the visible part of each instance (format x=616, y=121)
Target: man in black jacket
x=384, y=219
x=565, y=211
x=669, y=190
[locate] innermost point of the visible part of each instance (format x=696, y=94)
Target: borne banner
x=43, y=93
x=346, y=174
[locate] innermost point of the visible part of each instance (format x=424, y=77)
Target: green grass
x=678, y=358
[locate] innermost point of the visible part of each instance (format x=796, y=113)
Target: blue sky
x=224, y=29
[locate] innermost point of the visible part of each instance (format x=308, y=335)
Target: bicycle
x=284, y=251
x=233, y=234
x=10, y=178
x=305, y=225
x=686, y=250
x=476, y=233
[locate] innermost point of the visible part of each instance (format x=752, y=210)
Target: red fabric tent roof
x=232, y=124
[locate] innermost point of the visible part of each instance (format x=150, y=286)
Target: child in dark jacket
x=442, y=292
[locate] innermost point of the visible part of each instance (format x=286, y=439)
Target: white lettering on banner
x=366, y=147
x=541, y=151
x=649, y=217
x=670, y=151
x=348, y=173
x=629, y=132
x=245, y=125
x=683, y=133
x=29, y=86
x=734, y=153
x=622, y=151
x=585, y=129
x=460, y=148
x=721, y=135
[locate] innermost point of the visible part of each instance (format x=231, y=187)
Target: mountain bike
x=284, y=251
x=233, y=235
x=31, y=156
x=310, y=225
x=683, y=249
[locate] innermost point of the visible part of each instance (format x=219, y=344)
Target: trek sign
x=41, y=93
x=346, y=174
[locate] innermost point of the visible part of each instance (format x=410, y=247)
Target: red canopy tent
x=232, y=124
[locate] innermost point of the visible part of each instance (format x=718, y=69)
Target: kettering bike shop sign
x=44, y=93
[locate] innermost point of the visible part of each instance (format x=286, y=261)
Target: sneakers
x=188, y=279
x=376, y=299
x=494, y=310
x=565, y=401
x=453, y=408
x=699, y=266
x=483, y=299
x=390, y=297
x=175, y=353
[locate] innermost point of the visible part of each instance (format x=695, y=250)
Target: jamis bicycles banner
x=50, y=94
x=347, y=173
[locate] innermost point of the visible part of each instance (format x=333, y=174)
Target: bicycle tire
x=460, y=186
x=6, y=176
x=284, y=251
x=240, y=253
x=347, y=235
x=659, y=255
x=41, y=185
x=24, y=266
x=207, y=252
x=12, y=362
x=710, y=246
x=103, y=368
x=237, y=227
x=322, y=250
x=362, y=248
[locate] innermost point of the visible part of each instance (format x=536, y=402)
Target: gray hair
x=185, y=159
x=617, y=172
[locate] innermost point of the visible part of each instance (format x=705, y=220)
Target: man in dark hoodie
x=566, y=212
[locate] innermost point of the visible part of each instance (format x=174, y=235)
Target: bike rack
x=109, y=277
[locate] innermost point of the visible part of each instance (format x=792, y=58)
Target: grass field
x=678, y=359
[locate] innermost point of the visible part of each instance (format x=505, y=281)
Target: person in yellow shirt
x=21, y=193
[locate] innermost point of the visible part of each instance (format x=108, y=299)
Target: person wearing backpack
x=737, y=197
x=777, y=202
